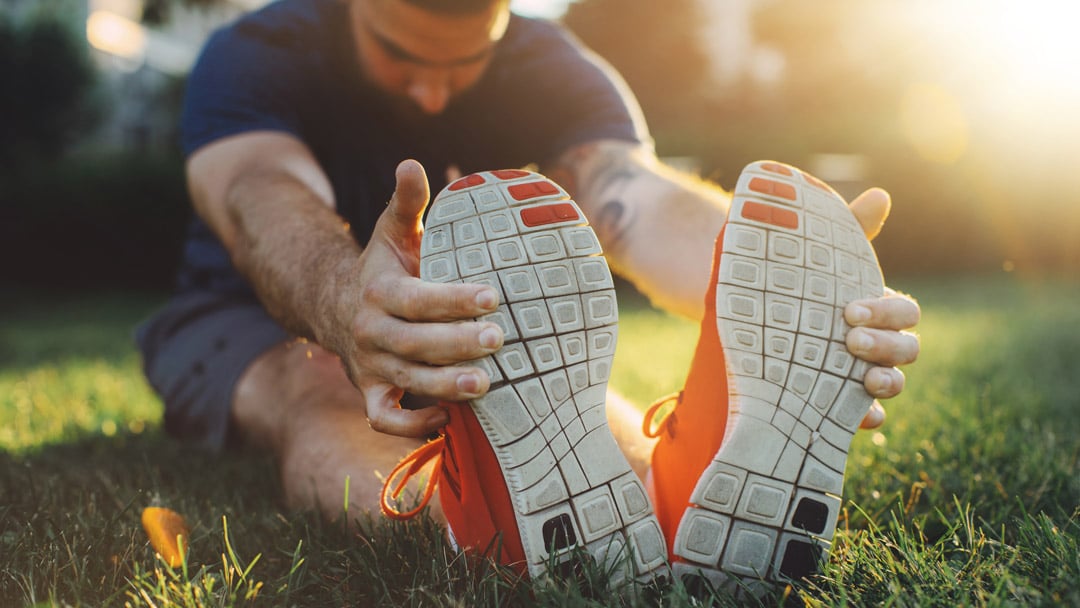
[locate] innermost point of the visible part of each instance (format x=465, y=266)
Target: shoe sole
x=544, y=415
x=765, y=510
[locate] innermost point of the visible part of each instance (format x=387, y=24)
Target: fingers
x=884, y=382
x=877, y=335
x=421, y=321
x=893, y=311
x=437, y=343
x=410, y=298
x=407, y=204
x=874, y=418
x=385, y=416
x=448, y=383
x=871, y=208
x=883, y=347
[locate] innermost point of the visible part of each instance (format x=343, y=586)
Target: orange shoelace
x=409, y=466
x=667, y=421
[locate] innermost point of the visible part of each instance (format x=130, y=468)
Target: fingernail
x=468, y=384
x=862, y=342
x=874, y=418
x=486, y=299
x=858, y=313
x=491, y=338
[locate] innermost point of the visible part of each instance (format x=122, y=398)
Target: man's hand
x=405, y=334
x=879, y=325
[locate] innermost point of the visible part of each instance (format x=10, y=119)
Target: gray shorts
x=194, y=351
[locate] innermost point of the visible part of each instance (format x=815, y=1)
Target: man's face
x=424, y=58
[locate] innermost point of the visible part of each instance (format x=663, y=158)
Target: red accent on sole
x=769, y=214
x=523, y=192
x=777, y=168
x=466, y=182
x=772, y=188
x=509, y=173
x=549, y=214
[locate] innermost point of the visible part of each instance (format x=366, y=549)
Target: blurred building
x=140, y=67
x=727, y=36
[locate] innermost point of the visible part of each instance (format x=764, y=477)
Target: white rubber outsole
x=765, y=510
x=544, y=415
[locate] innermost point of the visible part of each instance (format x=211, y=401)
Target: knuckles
x=375, y=292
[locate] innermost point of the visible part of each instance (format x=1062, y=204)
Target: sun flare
x=1032, y=44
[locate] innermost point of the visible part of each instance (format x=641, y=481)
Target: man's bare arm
x=272, y=207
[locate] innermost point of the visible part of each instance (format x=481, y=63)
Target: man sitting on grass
x=295, y=126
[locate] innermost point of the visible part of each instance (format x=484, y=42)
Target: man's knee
x=290, y=371
x=288, y=384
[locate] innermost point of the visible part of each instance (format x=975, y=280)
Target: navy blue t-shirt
x=292, y=67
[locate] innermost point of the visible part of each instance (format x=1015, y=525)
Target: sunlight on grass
x=653, y=353
x=56, y=402
x=68, y=370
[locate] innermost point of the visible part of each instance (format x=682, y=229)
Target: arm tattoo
x=611, y=178
x=603, y=176
x=614, y=220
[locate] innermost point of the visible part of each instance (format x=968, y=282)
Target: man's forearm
x=296, y=252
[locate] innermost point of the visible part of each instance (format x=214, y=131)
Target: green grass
x=968, y=496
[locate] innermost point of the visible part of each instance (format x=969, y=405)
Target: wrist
x=335, y=303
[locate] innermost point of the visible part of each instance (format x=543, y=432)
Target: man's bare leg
x=296, y=400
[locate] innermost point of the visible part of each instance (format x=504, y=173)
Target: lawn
x=968, y=496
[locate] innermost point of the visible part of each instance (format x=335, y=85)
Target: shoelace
x=407, y=468
x=667, y=422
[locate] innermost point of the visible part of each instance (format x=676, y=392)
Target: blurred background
x=967, y=111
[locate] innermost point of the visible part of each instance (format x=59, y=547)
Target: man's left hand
x=880, y=326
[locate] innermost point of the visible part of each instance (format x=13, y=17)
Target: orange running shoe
x=534, y=459
x=748, y=471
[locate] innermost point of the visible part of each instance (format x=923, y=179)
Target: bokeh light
x=116, y=35
x=934, y=123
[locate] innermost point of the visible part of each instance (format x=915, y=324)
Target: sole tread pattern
x=765, y=510
x=544, y=415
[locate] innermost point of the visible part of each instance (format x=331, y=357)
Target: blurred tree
x=847, y=62
x=47, y=77
x=654, y=45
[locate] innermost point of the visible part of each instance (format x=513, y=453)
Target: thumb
x=406, y=206
x=870, y=209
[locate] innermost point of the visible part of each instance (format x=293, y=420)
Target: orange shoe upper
x=691, y=435
x=472, y=490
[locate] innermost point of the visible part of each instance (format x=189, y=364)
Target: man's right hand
x=403, y=334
